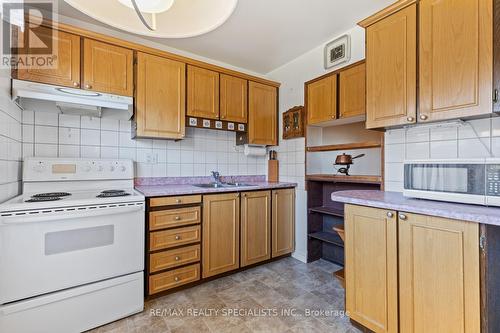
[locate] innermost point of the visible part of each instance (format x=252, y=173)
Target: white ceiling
x=262, y=35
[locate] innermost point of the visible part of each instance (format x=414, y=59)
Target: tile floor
x=264, y=291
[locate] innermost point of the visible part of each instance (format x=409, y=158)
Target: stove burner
x=113, y=194
x=43, y=199
x=113, y=191
x=51, y=195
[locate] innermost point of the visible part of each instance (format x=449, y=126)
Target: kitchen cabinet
x=391, y=78
x=233, y=99
x=107, y=68
x=438, y=274
x=221, y=233
x=66, y=69
x=203, y=93
x=160, y=97
x=255, y=227
x=262, y=114
x=283, y=222
x=352, y=91
x=322, y=100
x=455, y=57
x=371, y=267
x=430, y=264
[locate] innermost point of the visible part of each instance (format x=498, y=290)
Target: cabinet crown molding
x=386, y=12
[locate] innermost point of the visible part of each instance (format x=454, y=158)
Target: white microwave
x=473, y=181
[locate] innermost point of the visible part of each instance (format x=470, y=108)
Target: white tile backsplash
x=439, y=141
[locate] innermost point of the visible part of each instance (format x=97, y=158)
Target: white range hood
x=74, y=101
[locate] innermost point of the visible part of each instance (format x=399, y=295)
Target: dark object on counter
x=273, y=155
x=347, y=161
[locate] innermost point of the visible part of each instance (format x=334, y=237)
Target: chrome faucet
x=216, y=177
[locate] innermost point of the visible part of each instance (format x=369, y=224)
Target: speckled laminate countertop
x=396, y=201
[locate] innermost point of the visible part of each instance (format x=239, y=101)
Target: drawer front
x=173, y=258
x=160, y=240
x=174, y=218
x=175, y=278
x=172, y=201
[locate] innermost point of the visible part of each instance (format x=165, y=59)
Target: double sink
x=223, y=185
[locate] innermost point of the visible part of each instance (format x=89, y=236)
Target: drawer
x=173, y=258
x=160, y=240
x=174, y=218
x=174, y=278
x=172, y=201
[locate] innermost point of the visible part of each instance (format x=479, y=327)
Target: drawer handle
x=177, y=258
x=177, y=237
x=423, y=117
x=88, y=86
x=176, y=279
x=76, y=84
x=178, y=201
x=410, y=119
x=177, y=218
x=403, y=217
x=390, y=215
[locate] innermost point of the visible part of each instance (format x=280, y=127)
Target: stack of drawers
x=174, y=249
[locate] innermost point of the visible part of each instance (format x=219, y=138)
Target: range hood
x=73, y=101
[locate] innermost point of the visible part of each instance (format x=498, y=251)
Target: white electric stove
x=71, y=247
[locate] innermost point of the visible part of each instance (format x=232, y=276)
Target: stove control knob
x=39, y=167
x=100, y=168
x=112, y=168
x=123, y=168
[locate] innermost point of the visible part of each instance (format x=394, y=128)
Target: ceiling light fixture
x=159, y=18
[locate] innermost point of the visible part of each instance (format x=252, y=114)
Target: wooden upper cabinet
x=66, y=70
x=107, y=68
x=283, y=222
x=221, y=233
x=455, y=58
x=160, y=97
x=391, y=82
x=262, y=114
x=439, y=288
x=233, y=98
x=203, y=93
x=371, y=268
x=322, y=100
x=255, y=227
x=352, y=91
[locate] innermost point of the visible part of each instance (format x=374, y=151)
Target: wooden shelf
x=377, y=180
x=328, y=237
x=346, y=146
x=340, y=230
x=328, y=211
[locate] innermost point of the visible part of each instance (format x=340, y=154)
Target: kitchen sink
x=215, y=185
x=238, y=184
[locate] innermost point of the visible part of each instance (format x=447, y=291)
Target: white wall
x=440, y=141
x=291, y=152
x=10, y=141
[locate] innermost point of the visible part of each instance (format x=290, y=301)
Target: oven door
x=454, y=181
x=59, y=249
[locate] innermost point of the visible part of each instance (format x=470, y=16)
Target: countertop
x=396, y=201
x=161, y=187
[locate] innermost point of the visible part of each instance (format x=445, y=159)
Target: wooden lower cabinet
x=371, y=267
x=429, y=264
x=221, y=233
x=438, y=275
x=283, y=222
x=174, y=278
x=255, y=227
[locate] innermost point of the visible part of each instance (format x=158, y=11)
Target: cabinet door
x=66, y=70
x=160, y=97
x=391, y=52
x=283, y=222
x=455, y=58
x=203, y=93
x=107, y=68
x=221, y=233
x=322, y=100
x=438, y=275
x=352, y=91
x=255, y=227
x=371, y=268
x=233, y=98
x=262, y=114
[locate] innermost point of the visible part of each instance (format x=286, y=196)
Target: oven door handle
x=64, y=215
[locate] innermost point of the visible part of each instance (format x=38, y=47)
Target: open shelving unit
x=346, y=146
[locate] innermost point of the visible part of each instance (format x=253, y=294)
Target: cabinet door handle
x=495, y=96
x=390, y=215
x=423, y=117
x=88, y=86
x=410, y=119
x=76, y=84
x=402, y=217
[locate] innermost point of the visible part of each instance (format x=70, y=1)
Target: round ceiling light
x=159, y=18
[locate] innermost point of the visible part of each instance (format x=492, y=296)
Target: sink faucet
x=216, y=177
